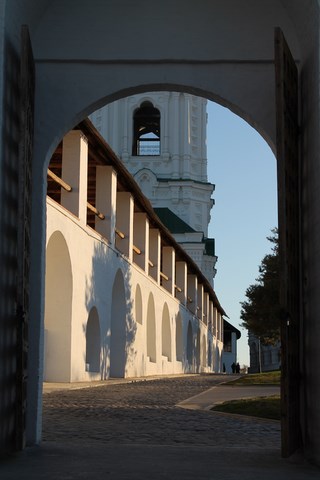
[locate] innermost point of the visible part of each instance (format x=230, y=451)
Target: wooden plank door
x=27, y=85
x=288, y=172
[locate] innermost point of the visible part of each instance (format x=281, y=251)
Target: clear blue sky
x=243, y=169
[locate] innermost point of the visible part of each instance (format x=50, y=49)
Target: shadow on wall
x=108, y=292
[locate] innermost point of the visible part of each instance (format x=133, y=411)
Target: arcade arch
x=204, y=359
x=93, y=342
x=138, y=305
x=190, y=345
x=179, y=340
x=166, y=333
x=118, y=328
x=151, y=330
x=58, y=288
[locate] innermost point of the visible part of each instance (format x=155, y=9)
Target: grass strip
x=266, y=378
x=262, y=407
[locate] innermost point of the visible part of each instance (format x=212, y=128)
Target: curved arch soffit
x=58, y=309
x=138, y=307
x=57, y=241
x=93, y=341
x=138, y=89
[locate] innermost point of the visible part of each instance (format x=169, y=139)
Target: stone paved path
x=145, y=412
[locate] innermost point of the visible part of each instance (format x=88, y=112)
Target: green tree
x=261, y=312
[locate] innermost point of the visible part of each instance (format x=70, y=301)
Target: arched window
x=166, y=333
x=93, y=342
x=190, y=344
x=146, y=130
x=179, y=340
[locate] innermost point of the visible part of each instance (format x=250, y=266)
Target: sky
x=243, y=169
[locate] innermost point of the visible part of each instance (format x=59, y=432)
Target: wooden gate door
x=27, y=84
x=289, y=234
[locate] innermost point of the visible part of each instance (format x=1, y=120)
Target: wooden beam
x=95, y=211
x=136, y=250
x=163, y=275
x=58, y=180
x=119, y=233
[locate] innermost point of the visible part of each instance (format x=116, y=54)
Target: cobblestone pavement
x=145, y=412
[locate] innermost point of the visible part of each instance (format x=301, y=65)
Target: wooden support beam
x=178, y=288
x=120, y=234
x=150, y=264
x=58, y=180
x=163, y=275
x=136, y=250
x=95, y=211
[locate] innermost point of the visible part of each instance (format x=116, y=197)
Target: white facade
x=109, y=309
x=171, y=169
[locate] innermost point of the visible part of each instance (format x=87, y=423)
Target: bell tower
x=161, y=139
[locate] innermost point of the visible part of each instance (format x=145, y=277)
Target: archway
x=198, y=350
x=118, y=328
x=204, y=359
x=179, y=339
x=232, y=54
x=93, y=342
x=190, y=344
x=138, y=305
x=166, y=333
x=210, y=354
x=151, y=330
x=58, y=310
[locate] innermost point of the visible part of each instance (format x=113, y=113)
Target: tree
x=261, y=311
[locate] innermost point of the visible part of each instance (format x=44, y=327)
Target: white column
x=181, y=282
x=175, y=134
x=168, y=268
x=141, y=240
x=221, y=328
x=200, y=302
x=124, y=223
x=210, y=317
x=205, y=308
x=192, y=292
x=218, y=326
x=203, y=136
x=187, y=138
x=75, y=173
x=106, y=198
x=164, y=134
x=215, y=323
x=154, y=254
x=126, y=121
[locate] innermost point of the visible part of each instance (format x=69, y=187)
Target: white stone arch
x=210, y=354
x=166, y=333
x=93, y=342
x=198, y=349
x=204, y=358
x=151, y=330
x=58, y=310
x=235, y=48
x=118, y=327
x=179, y=338
x=138, y=305
x=190, y=344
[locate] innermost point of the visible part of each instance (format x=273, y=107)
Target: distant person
x=238, y=368
x=233, y=368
